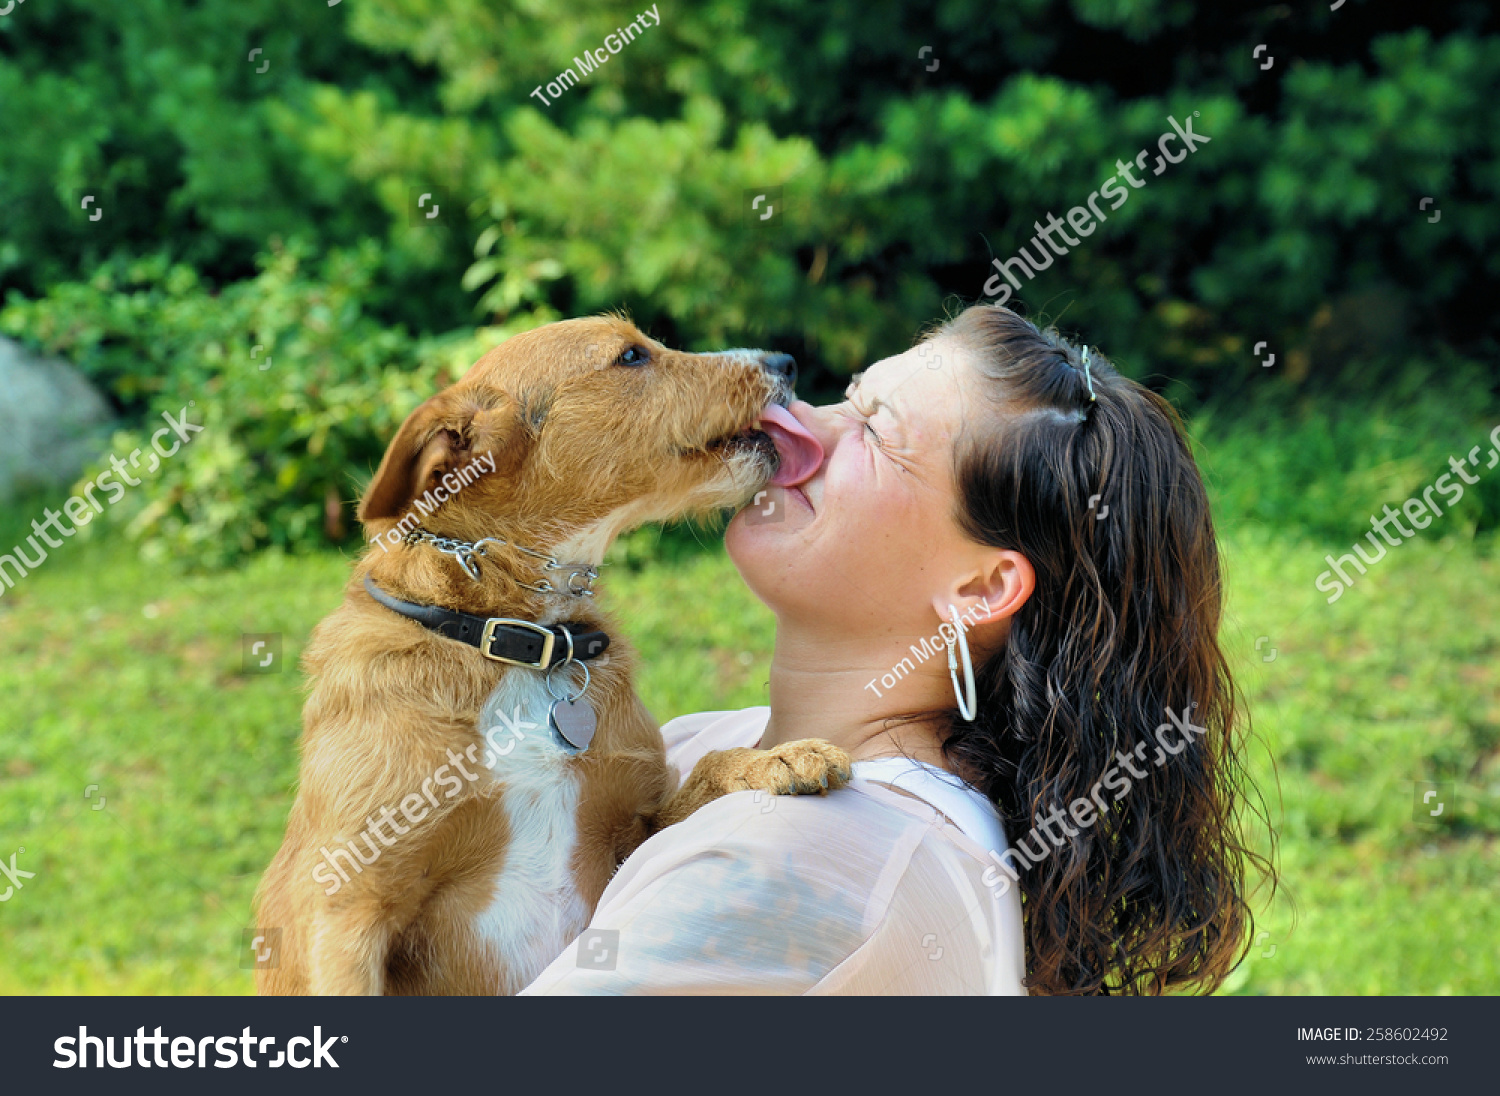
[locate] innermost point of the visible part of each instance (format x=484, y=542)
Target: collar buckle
x=549, y=639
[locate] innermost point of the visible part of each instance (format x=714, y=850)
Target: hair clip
x=1088, y=378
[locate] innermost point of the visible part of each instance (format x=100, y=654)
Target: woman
x=999, y=592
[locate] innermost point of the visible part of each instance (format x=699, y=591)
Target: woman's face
x=868, y=541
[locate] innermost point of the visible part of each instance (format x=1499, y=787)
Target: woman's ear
x=438, y=437
x=992, y=594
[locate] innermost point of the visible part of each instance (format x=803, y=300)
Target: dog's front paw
x=808, y=766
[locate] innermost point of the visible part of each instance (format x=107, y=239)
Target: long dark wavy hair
x=1119, y=637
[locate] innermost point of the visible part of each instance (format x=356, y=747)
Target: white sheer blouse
x=863, y=891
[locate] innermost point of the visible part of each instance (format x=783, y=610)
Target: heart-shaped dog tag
x=575, y=721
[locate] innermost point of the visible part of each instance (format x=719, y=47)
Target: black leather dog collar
x=504, y=639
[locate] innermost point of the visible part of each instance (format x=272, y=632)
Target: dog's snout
x=781, y=366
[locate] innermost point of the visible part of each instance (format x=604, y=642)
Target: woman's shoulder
x=856, y=839
x=963, y=807
x=689, y=738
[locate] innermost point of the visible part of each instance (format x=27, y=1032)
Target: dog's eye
x=634, y=355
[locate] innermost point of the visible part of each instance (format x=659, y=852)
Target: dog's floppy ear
x=441, y=435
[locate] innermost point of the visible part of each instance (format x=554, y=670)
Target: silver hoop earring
x=969, y=710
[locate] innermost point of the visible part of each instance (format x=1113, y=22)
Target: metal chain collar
x=580, y=579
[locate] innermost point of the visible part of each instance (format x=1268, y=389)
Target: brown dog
x=446, y=838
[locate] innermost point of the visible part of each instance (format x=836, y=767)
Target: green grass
x=1397, y=682
x=128, y=675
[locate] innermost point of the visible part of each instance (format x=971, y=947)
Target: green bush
x=1326, y=466
x=296, y=388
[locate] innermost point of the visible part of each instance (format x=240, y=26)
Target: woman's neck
x=835, y=689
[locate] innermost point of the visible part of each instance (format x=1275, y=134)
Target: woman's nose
x=820, y=422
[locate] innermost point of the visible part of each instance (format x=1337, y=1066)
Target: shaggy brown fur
x=594, y=428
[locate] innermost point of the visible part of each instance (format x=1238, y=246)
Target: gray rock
x=53, y=422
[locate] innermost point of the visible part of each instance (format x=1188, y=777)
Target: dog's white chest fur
x=535, y=910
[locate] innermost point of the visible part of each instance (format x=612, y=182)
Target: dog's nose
x=783, y=366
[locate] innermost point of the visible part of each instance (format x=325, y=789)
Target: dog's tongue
x=801, y=454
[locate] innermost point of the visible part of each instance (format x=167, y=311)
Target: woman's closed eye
x=880, y=437
x=879, y=442
x=863, y=418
